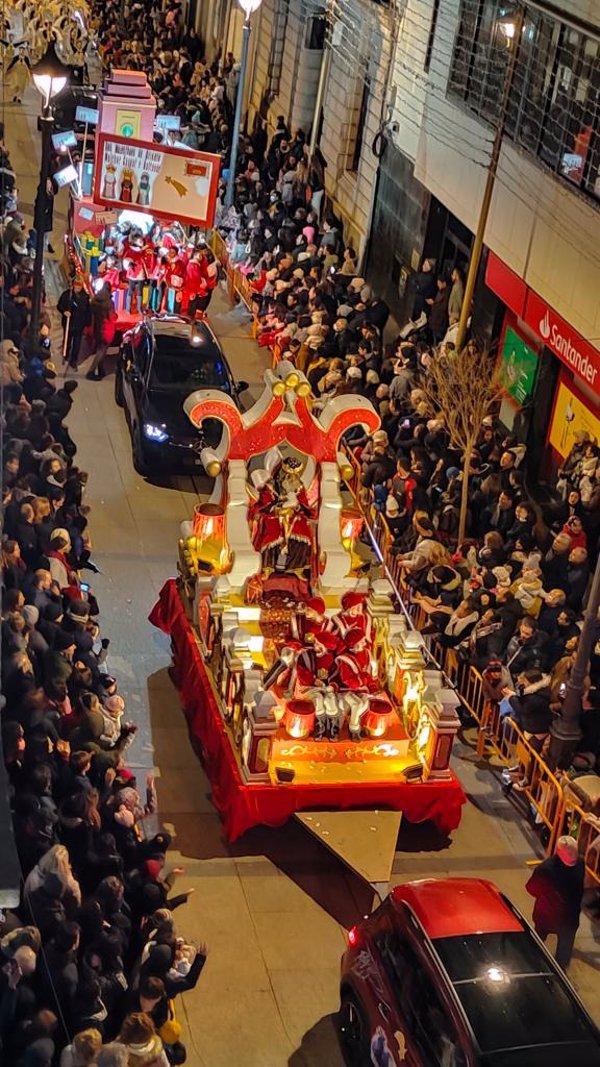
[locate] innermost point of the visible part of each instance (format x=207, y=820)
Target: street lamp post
x=50, y=77
x=248, y=7
x=565, y=730
x=511, y=26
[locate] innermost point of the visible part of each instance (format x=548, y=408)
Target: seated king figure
x=282, y=522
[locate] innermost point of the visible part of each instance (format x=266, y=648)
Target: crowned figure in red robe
x=282, y=522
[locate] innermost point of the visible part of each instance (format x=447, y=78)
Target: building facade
x=289, y=43
x=540, y=277
x=360, y=42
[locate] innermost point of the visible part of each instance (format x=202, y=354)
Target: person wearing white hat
x=557, y=885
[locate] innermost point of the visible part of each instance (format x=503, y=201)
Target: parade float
x=303, y=685
x=136, y=217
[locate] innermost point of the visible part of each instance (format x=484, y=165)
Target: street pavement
x=274, y=907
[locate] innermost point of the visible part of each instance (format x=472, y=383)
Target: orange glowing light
x=299, y=718
x=352, y=524
x=209, y=521
x=379, y=717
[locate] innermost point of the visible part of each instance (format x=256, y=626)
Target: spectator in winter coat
x=160, y=964
x=150, y=997
x=58, y=972
x=573, y=529
x=457, y=294
x=556, y=562
x=526, y=649
x=424, y=287
x=557, y=885
x=530, y=705
x=89, y=733
x=82, y=1050
x=55, y=864
x=459, y=624
x=74, y=306
x=143, y=1044
x=554, y=603
x=564, y=631
x=438, y=310
x=578, y=576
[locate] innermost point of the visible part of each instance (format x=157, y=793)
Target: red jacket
x=135, y=256
x=212, y=274
x=314, y=666
x=558, y=890
x=148, y=261
x=195, y=278
x=174, y=273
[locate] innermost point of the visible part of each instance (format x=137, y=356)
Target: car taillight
x=353, y=935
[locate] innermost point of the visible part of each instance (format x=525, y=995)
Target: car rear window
x=469, y=957
x=179, y=365
x=515, y=1003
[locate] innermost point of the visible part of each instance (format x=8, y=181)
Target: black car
x=161, y=361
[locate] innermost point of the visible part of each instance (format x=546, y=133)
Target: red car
x=449, y=974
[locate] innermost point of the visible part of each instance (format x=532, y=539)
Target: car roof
x=454, y=907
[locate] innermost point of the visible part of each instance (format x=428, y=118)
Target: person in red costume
x=158, y=295
x=111, y=274
x=353, y=615
x=316, y=661
x=281, y=520
x=132, y=255
x=211, y=271
x=174, y=280
x=314, y=671
x=194, y=287
x=149, y=258
x=353, y=664
x=165, y=238
x=355, y=679
x=310, y=618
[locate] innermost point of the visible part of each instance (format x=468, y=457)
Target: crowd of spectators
x=90, y=961
x=147, y=36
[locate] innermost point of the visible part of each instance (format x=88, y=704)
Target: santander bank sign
x=570, y=347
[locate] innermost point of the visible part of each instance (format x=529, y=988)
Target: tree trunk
x=464, y=497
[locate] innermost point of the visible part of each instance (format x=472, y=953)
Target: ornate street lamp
x=50, y=77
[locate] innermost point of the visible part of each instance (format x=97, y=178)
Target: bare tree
x=462, y=388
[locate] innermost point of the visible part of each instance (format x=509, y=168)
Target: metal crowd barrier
x=584, y=826
x=238, y=286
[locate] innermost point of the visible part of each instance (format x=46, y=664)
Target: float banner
x=171, y=183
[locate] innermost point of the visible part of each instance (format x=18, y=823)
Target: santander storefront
x=574, y=403
x=572, y=349
x=562, y=339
